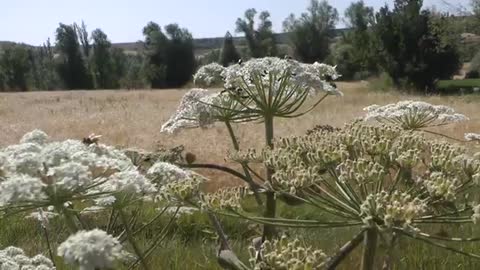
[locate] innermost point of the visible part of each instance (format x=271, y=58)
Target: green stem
x=343, y=252
x=68, y=218
x=248, y=176
x=271, y=204
x=369, y=249
x=49, y=246
x=135, y=247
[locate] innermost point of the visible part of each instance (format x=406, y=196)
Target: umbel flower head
x=283, y=254
x=257, y=87
x=14, y=258
x=472, y=137
x=411, y=114
x=37, y=171
x=91, y=250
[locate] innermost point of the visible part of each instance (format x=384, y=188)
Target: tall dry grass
x=133, y=118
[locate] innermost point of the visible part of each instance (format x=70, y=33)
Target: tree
x=355, y=55
x=15, y=67
x=180, y=56
x=170, y=60
x=312, y=33
x=72, y=66
x=102, y=62
x=229, y=53
x=415, y=49
x=44, y=74
x=261, y=41
x=155, y=55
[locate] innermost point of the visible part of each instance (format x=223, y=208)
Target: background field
x=133, y=119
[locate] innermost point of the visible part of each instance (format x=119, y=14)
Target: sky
x=33, y=21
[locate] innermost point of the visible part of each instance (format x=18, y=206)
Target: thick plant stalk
x=342, y=253
x=369, y=249
x=135, y=247
x=271, y=204
x=248, y=177
x=227, y=259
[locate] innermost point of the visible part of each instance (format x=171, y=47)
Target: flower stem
x=135, y=247
x=47, y=238
x=271, y=204
x=369, y=249
x=248, y=176
x=68, y=218
x=343, y=252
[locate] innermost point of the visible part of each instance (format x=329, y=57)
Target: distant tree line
x=413, y=46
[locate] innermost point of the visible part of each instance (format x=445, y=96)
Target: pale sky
x=33, y=21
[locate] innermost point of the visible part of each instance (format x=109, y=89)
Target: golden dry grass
x=133, y=118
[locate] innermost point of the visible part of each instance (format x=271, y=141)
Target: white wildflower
x=91, y=250
x=13, y=258
x=413, y=114
x=310, y=76
x=192, y=112
x=70, y=176
x=394, y=209
x=472, y=137
x=163, y=172
x=21, y=188
x=129, y=181
x=439, y=185
x=476, y=214
x=42, y=216
x=36, y=136
x=208, y=75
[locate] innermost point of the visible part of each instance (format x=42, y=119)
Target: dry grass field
x=133, y=118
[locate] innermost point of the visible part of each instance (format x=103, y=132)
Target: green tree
x=312, y=33
x=72, y=67
x=102, y=62
x=180, y=56
x=15, y=66
x=261, y=41
x=45, y=76
x=229, y=53
x=170, y=60
x=355, y=55
x=156, y=44
x=415, y=48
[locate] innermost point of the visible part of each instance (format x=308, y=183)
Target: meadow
x=132, y=119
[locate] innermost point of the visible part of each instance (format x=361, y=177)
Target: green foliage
x=229, y=53
x=312, y=33
x=261, y=41
x=355, y=54
x=72, y=67
x=458, y=84
x=15, y=67
x=108, y=65
x=170, y=61
x=415, y=50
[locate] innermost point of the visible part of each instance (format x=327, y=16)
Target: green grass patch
x=458, y=84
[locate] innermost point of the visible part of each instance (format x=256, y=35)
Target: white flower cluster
x=209, y=75
x=162, y=173
x=194, y=111
x=472, y=137
x=413, y=114
x=476, y=214
x=35, y=168
x=285, y=254
x=13, y=258
x=441, y=186
x=91, y=250
x=312, y=76
x=396, y=209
